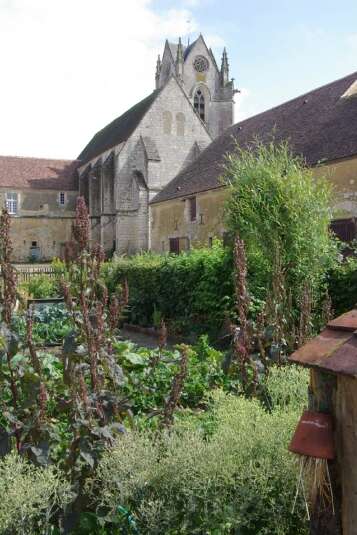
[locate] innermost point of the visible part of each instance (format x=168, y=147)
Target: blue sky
x=279, y=49
x=69, y=67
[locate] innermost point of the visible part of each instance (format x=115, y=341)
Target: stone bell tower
x=209, y=88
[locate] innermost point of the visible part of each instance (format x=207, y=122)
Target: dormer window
x=199, y=104
x=11, y=203
x=62, y=198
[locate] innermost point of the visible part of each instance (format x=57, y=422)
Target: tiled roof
x=117, y=131
x=38, y=173
x=320, y=126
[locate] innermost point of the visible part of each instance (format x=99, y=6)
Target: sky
x=69, y=67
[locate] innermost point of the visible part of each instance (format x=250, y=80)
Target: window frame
x=12, y=204
x=192, y=209
x=199, y=103
x=62, y=204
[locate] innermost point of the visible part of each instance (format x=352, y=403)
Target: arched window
x=167, y=121
x=180, y=124
x=199, y=104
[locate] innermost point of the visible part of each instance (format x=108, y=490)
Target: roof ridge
x=291, y=100
x=96, y=146
x=39, y=158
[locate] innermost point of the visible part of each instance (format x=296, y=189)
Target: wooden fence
x=25, y=272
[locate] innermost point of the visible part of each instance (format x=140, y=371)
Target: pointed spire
x=224, y=68
x=179, y=60
x=158, y=71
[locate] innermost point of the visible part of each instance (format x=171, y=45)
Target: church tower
x=209, y=88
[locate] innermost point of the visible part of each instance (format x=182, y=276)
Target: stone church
x=133, y=158
x=126, y=164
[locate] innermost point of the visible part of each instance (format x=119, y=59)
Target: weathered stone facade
x=41, y=226
x=168, y=137
x=196, y=69
x=40, y=195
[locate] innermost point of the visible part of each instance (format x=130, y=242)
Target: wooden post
x=346, y=435
x=325, y=520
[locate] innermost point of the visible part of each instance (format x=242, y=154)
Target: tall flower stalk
x=241, y=335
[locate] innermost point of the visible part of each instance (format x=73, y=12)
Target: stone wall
x=48, y=235
x=171, y=219
x=41, y=226
x=343, y=176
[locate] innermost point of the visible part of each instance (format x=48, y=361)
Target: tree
x=282, y=212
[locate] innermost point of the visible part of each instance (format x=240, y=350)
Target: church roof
x=186, y=49
x=38, y=173
x=319, y=125
x=117, y=131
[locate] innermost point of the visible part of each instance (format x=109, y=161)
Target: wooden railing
x=25, y=272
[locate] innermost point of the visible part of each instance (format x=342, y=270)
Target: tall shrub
x=281, y=211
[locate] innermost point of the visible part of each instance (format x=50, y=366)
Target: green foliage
x=41, y=286
x=51, y=324
x=281, y=212
x=342, y=285
x=286, y=387
x=192, y=290
x=149, y=374
x=239, y=479
x=29, y=496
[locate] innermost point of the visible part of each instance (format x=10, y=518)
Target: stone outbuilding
x=40, y=195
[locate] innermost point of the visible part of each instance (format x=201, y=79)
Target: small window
x=11, y=203
x=175, y=245
x=192, y=208
x=34, y=244
x=210, y=242
x=62, y=198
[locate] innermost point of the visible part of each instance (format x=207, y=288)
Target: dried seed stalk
x=176, y=388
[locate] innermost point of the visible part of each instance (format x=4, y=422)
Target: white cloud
x=70, y=67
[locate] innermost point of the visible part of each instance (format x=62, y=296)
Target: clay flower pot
x=313, y=436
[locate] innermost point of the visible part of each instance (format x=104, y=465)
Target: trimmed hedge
x=191, y=291
x=194, y=291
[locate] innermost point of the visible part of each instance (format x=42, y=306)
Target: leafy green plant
x=41, y=286
x=150, y=372
x=51, y=324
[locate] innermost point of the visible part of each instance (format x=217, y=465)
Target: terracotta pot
x=313, y=436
